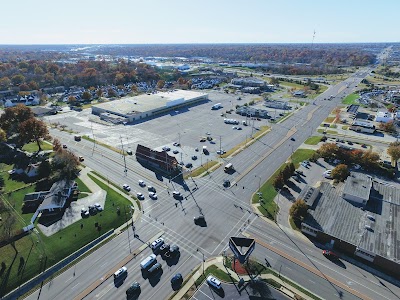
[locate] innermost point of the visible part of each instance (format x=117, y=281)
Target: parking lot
x=186, y=126
x=229, y=291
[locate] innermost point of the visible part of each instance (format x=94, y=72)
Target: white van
x=148, y=261
x=157, y=243
x=120, y=272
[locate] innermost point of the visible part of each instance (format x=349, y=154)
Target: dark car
x=155, y=269
x=189, y=165
x=173, y=251
x=226, y=183
x=292, y=139
x=330, y=255
x=133, y=290
x=194, y=157
x=177, y=280
x=200, y=220
x=164, y=248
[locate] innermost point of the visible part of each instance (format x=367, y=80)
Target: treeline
x=36, y=74
x=317, y=54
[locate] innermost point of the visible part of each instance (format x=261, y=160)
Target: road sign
x=242, y=248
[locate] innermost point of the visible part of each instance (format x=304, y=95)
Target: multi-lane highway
x=228, y=213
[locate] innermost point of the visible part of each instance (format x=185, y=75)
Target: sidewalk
x=287, y=289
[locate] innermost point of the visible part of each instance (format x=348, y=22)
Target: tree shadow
x=4, y=282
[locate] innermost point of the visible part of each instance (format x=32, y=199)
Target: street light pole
x=203, y=258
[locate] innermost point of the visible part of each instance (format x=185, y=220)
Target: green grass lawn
x=32, y=249
x=312, y=140
x=12, y=183
x=33, y=147
x=82, y=187
x=350, y=99
x=327, y=131
x=269, y=207
x=329, y=119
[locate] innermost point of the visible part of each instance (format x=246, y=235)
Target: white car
x=126, y=187
x=153, y=195
x=142, y=183
x=328, y=174
x=98, y=207
x=84, y=212
x=120, y=272
x=213, y=282
x=140, y=196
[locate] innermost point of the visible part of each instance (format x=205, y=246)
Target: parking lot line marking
x=199, y=290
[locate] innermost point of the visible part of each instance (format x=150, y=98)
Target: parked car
x=64, y=146
x=213, y=282
x=98, y=207
x=292, y=139
x=177, y=280
x=126, y=187
x=196, y=149
x=194, y=157
x=164, y=248
x=328, y=174
x=84, y=212
x=176, y=144
x=166, y=148
x=157, y=243
x=200, y=220
x=175, y=151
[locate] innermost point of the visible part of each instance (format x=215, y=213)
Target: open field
x=351, y=99
x=33, y=147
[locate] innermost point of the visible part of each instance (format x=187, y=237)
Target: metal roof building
x=148, y=105
x=368, y=231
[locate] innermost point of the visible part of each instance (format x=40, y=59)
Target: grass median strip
x=205, y=168
x=313, y=140
x=268, y=207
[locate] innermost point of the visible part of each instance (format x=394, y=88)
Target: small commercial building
x=248, y=82
x=359, y=218
x=384, y=117
x=131, y=109
x=362, y=126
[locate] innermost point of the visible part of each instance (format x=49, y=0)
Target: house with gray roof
x=340, y=218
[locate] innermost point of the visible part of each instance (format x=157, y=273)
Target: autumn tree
x=33, y=130
x=17, y=79
x=160, y=84
x=369, y=159
x=394, y=151
x=99, y=93
x=57, y=145
x=86, y=96
x=340, y=172
x=65, y=164
x=71, y=100
x=3, y=136
x=5, y=83
x=387, y=127
x=13, y=116
x=279, y=181
x=328, y=150
x=298, y=211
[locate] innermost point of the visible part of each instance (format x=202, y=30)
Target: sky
x=205, y=21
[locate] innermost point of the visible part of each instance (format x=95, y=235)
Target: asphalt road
x=227, y=212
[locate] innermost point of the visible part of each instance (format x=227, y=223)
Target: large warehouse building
x=147, y=105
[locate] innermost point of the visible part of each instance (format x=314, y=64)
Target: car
x=203, y=139
x=194, y=157
x=292, y=139
x=120, y=272
x=151, y=189
x=140, y=196
x=84, y=212
x=157, y=243
x=92, y=209
x=126, y=187
x=330, y=255
x=142, y=183
x=175, y=151
x=189, y=165
x=80, y=158
x=328, y=174
x=98, y=207
x=349, y=142
x=172, y=252
x=64, y=146
x=176, y=144
x=129, y=152
x=133, y=290
x=164, y=248
x=226, y=183
x=208, y=133
x=196, y=149
x=305, y=165
x=153, y=195
x=221, y=151
x=166, y=148
x=11, y=172
x=200, y=220
x=239, y=128
x=177, y=280
x=234, y=127
x=213, y=282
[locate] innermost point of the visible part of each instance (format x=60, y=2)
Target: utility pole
x=94, y=140
x=220, y=148
x=122, y=147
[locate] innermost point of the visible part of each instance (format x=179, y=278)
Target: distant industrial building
x=352, y=110
x=358, y=217
x=276, y=104
x=384, y=117
x=252, y=111
x=248, y=82
x=362, y=126
x=136, y=108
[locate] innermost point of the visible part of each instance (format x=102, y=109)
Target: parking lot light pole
x=203, y=258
